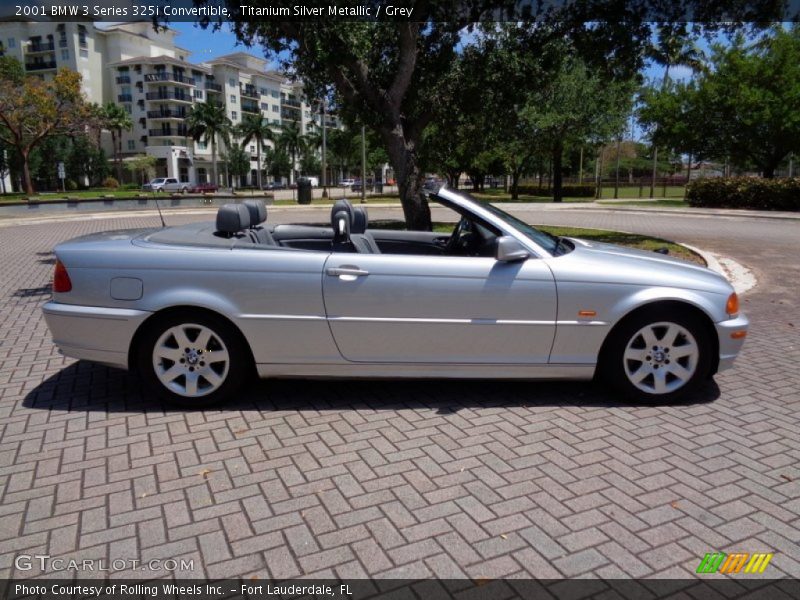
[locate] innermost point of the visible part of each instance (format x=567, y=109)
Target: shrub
x=129, y=186
x=71, y=185
x=110, y=182
x=745, y=192
x=575, y=191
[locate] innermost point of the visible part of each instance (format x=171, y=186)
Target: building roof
x=157, y=60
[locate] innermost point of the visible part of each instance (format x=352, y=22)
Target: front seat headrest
x=360, y=220
x=258, y=211
x=342, y=205
x=232, y=218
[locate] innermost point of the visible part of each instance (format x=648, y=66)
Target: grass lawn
x=634, y=191
x=632, y=240
x=61, y=196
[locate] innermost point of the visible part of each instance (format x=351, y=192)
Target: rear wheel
x=658, y=356
x=193, y=359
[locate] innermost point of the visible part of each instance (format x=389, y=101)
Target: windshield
x=545, y=240
x=157, y=181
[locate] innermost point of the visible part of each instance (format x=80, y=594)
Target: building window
x=275, y=108
x=275, y=94
x=84, y=53
x=233, y=115
x=131, y=144
x=252, y=148
x=128, y=108
x=198, y=94
x=232, y=82
x=12, y=43
x=201, y=145
x=233, y=99
x=264, y=106
x=65, y=55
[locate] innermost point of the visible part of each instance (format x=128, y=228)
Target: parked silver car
x=195, y=308
x=165, y=184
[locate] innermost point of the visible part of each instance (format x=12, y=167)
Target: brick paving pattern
x=404, y=479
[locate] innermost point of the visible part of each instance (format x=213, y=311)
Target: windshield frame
x=541, y=244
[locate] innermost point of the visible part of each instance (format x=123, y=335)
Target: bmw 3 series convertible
x=195, y=309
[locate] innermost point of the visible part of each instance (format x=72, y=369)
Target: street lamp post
x=363, y=165
x=324, y=150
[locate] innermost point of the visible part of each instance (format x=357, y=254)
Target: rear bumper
x=729, y=347
x=93, y=333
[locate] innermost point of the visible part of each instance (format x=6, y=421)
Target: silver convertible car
x=196, y=308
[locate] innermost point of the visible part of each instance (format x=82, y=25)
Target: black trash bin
x=304, y=190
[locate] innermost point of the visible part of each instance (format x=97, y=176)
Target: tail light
x=732, y=305
x=61, y=282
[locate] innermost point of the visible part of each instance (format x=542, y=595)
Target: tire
x=657, y=355
x=171, y=354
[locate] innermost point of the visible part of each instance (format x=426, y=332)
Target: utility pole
x=324, y=150
x=616, y=177
x=580, y=168
x=363, y=165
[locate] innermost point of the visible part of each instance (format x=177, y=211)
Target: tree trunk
x=26, y=171
x=558, y=192
x=214, y=159
x=403, y=157
x=769, y=172
x=258, y=162
x=515, y=175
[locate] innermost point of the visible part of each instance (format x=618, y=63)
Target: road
x=405, y=479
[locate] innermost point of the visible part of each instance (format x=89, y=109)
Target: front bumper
x=93, y=333
x=729, y=347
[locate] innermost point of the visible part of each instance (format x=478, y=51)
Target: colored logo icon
x=719, y=562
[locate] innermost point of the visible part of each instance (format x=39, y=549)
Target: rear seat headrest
x=258, y=211
x=360, y=220
x=232, y=218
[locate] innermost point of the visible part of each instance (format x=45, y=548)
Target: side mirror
x=509, y=249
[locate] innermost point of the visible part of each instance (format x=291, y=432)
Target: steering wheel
x=456, y=242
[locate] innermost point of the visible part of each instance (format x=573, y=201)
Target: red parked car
x=201, y=188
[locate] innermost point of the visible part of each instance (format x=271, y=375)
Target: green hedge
x=745, y=192
x=573, y=191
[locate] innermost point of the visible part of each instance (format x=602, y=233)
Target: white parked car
x=166, y=184
x=346, y=183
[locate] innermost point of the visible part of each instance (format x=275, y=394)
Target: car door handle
x=346, y=272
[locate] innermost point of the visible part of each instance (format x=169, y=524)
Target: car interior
x=245, y=226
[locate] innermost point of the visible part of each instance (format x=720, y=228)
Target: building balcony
x=167, y=114
x=40, y=66
x=210, y=86
x=63, y=43
x=290, y=116
x=165, y=76
x=291, y=102
x=39, y=48
x=251, y=108
x=249, y=92
x=124, y=79
x=164, y=96
x=169, y=132
x=125, y=98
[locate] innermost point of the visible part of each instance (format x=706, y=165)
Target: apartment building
x=148, y=74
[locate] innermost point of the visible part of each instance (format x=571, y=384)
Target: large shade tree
x=208, y=122
x=387, y=72
x=33, y=110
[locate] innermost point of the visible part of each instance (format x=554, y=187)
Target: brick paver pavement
x=404, y=479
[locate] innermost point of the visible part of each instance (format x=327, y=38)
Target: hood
x=608, y=263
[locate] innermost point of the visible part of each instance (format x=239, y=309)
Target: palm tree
x=673, y=49
x=205, y=123
x=117, y=120
x=255, y=127
x=291, y=139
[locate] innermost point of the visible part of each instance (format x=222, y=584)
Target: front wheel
x=657, y=356
x=193, y=360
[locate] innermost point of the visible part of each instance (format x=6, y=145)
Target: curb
x=739, y=276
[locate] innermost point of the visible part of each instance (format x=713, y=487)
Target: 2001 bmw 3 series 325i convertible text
x=195, y=308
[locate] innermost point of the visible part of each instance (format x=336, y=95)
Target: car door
x=439, y=309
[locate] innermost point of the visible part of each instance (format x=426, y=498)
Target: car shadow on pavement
x=84, y=386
